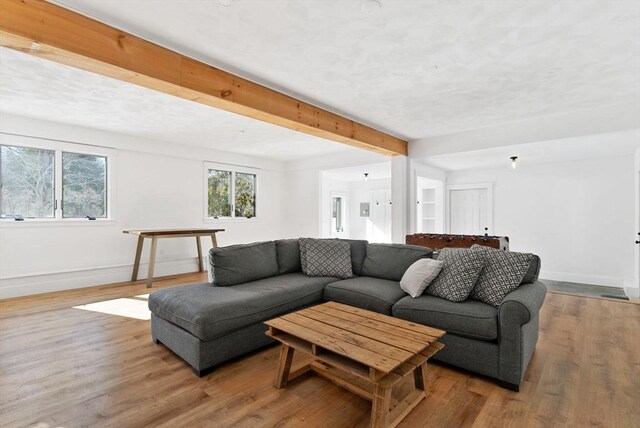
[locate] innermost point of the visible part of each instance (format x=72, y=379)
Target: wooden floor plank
x=69, y=367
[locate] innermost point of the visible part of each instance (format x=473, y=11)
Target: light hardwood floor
x=68, y=367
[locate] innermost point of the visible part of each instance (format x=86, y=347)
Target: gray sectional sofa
x=207, y=325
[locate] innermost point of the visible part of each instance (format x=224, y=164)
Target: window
x=52, y=181
x=26, y=182
x=231, y=192
x=84, y=185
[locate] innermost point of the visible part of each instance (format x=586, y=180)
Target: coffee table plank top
x=391, y=329
x=364, y=330
x=408, y=325
x=375, y=340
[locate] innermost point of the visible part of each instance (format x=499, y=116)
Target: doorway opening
x=356, y=202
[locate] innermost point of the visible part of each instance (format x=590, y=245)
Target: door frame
x=345, y=210
x=469, y=186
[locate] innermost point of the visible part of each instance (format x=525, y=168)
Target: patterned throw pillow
x=502, y=274
x=460, y=271
x=322, y=257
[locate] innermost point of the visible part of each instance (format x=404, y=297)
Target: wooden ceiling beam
x=58, y=34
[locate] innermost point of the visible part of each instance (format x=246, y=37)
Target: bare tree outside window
x=26, y=182
x=84, y=185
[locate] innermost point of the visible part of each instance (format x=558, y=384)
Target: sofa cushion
x=374, y=294
x=470, y=318
x=325, y=257
x=419, y=276
x=237, y=264
x=358, y=253
x=288, y=256
x=533, y=271
x=390, y=261
x=210, y=312
x=503, y=272
x=460, y=271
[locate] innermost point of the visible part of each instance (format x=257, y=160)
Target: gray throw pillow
x=503, y=273
x=321, y=257
x=419, y=275
x=460, y=271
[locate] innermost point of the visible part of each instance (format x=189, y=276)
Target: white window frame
x=233, y=169
x=58, y=147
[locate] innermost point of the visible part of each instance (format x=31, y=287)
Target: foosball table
x=438, y=241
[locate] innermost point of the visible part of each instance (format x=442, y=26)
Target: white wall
x=152, y=191
x=366, y=191
x=633, y=286
x=577, y=216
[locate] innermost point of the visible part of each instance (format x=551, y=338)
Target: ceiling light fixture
x=225, y=3
x=371, y=6
x=514, y=162
x=366, y=176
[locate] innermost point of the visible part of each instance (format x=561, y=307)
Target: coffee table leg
x=420, y=377
x=380, y=406
x=284, y=366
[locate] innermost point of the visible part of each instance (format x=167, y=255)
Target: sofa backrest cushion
x=533, y=271
x=237, y=264
x=391, y=261
x=288, y=256
x=358, y=253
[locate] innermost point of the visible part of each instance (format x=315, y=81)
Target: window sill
x=232, y=220
x=73, y=222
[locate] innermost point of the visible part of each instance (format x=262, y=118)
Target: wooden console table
x=364, y=352
x=154, y=235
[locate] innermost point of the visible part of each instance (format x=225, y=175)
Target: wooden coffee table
x=364, y=352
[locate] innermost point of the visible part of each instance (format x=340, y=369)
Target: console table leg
x=214, y=240
x=136, y=262
x=152, y=261
x=199, y=254
x=284, y=366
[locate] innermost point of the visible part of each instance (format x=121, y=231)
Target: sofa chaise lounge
x=208, y=324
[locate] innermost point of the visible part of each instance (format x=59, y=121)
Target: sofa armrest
x=522, y=304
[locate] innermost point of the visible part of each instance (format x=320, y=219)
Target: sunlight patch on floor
x=125, y=307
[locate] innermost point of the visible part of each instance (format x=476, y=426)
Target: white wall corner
x=399, y=198
x=631, y=289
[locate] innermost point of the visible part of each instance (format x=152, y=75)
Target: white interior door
x=469, y=211
x=380, y=216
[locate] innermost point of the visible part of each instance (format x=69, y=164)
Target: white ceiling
x=33, y=87
x=376, y=171
x=586, y=147
x=415, y=68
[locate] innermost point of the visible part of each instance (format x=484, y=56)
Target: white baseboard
x=69, y=280
x=607, y=281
